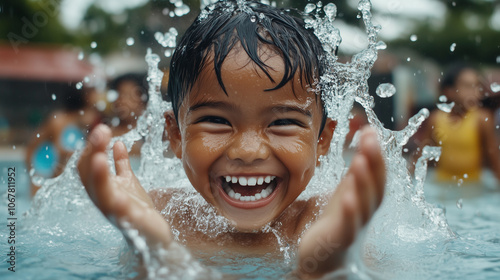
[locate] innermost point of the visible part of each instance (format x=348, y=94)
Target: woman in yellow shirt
x=467, y=133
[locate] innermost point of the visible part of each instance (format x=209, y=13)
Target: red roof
x=47, y=63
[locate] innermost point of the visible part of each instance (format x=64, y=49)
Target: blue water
x=83, y=245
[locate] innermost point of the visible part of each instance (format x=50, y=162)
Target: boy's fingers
x=122, y=162
x=364, y=187
x=97, y=142
x=99, y=188
x=371, y=148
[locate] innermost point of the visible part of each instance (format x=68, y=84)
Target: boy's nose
x=248, y=147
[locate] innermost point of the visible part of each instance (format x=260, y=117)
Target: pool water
x=77, y=242
x=63, y=236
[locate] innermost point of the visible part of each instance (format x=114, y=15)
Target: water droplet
x=405, y=150
x=81, y=56
x=408, y=59
x=253, y=18
x=79, y=85
x=183, y=9
x=86, y=79
x=446, y=107
x=165, y=11
x=459, y=203
x=112, y=95
x=13, y=147
x=168, y=53
x=443, y=98
x=101, y=105
x=93, y=45
x=38, y=135
x=381, y=46
x=498, y=59
x=386, y=90
x=167, y=40
x=495, y=87
x=309, y=8
x=460, y=182
x=413, y=38
x=115, y=121
x=466, y=175
x=452, y=47
x=54, y=97
x=130, y=41
x=330, y=11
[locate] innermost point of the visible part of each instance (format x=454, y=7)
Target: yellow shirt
x=460, y=147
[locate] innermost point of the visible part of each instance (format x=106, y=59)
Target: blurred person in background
x=132, y=97
x=61, y=133
x=131, y=91
x=466, y=134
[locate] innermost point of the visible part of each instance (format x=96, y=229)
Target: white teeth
x=252, y=181
x=242, y=181
x=268, y=179
x=260, y=181
x=249, y=181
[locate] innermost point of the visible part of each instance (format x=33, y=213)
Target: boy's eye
x=213, y=119
x=286, y=122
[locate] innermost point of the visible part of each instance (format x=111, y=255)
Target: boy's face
x=249, y=153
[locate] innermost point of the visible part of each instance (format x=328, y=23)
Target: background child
x=132, y=90
x=467, y=133
x=61, y=133
x=249, y=133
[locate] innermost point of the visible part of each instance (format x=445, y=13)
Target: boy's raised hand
x=357, y=197
x=120, y=197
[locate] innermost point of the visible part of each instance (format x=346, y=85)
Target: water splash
x=445, y=107
x=404, y=217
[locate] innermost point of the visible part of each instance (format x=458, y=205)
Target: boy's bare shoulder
x=299, y=214
x=161, y=196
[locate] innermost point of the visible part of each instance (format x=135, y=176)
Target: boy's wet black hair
x=140, y=79
x=222, y=25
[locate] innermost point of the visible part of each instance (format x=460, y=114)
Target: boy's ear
x=173, y=133
x=325, y=138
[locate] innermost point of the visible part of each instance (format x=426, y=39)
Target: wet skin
x=250, y=132
x=247, y=133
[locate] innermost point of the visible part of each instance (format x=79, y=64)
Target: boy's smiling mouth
x=248, y=191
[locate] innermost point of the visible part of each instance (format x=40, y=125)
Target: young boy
x=249, y=132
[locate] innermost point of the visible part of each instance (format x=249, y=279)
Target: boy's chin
x=245, y=226
x=250, y=220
